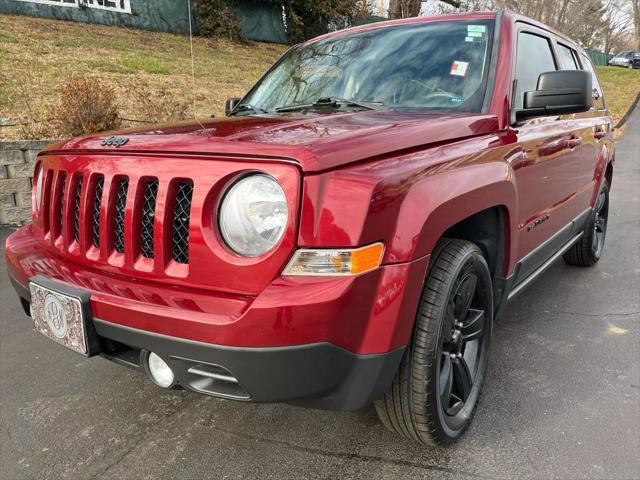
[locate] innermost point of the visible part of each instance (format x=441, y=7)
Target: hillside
x=38, y=55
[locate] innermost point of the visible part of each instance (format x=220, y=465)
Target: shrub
x=217, y=19
x=307, y=19
x=87, y=105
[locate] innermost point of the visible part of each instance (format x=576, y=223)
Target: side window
x=598, y=94
x=533, y=57
x=566, y=58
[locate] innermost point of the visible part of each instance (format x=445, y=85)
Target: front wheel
x=435, y=392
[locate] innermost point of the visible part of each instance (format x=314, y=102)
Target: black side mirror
x=231, y=104
x=558, y=92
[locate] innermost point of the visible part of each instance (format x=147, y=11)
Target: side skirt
x=542, y=268
x=510, y=287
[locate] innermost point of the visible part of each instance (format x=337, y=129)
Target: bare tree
x=601, y=24
x=411, y=8
x=636, y=20
x=618, y=26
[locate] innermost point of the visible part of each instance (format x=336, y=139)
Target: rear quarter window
x=566, y=58
x=598, y=94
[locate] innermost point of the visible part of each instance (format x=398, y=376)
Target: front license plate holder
x=62, y=313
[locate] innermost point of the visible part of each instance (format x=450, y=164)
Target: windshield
x=432, y=66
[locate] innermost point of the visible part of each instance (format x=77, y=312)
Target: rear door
x=547, y=174
x=597, y=136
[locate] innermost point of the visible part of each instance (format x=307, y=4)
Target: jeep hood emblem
x=114, y=141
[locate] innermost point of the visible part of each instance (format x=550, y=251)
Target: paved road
x=562, y=397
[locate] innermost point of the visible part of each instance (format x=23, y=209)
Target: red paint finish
x=351, y=179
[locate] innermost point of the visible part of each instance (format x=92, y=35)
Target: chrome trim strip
x=215, y=376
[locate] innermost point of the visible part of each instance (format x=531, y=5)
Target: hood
x=315, y=141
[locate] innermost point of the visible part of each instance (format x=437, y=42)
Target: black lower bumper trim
x=24, y=294
x=320, y=375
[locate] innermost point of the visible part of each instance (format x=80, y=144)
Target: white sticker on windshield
x=468, y=39
x=475, y=34
x=476, y=28
x=459, y=68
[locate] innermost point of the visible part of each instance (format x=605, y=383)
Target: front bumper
x=319, y=375
x=331, y=343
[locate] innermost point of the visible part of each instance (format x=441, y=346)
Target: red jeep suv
x=347, y=235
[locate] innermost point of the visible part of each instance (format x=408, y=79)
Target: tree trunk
x=411, y=8
x=636, y=21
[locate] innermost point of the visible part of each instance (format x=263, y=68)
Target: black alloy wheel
x=435, y=392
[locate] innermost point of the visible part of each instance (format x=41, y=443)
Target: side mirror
x=231, y=104
x=558, y=92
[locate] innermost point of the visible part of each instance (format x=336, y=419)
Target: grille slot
x=181, y=213
x=46, y=204
x=97, y=202
x=147, y=217
x=118, y=220
x=62, y=182
x=76, y=208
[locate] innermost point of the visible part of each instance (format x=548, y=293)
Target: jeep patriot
x=347, y=235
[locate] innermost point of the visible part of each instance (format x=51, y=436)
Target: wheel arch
x=461, y=213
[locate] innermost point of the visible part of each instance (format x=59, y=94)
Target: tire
x=432, y=399
x=588, y=250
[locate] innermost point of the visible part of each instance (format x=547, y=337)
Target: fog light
x=160, y=372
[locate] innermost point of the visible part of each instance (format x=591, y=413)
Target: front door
x=547, y=173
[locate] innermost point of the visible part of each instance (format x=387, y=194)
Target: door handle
x=599, y=134
x=573, y=142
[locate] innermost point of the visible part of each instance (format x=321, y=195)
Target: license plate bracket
x=62, y=313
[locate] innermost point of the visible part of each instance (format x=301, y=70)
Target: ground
x=140, y=64
x=561, y=398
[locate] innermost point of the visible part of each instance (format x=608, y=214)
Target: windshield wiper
x=247, y=107
x=331, y=102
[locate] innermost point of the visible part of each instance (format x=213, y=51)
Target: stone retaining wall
x=17, y=160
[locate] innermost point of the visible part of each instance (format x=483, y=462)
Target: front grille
x=95, y=216
x=109, y=197
x=181, y=213
x=118, y=218
x=147, y=217
x=76, y=208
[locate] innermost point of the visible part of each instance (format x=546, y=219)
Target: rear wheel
x=436, y=389
x=588, y=249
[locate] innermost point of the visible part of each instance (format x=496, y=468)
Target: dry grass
x=39, y=55
x=621, y=85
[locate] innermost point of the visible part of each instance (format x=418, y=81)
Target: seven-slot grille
x=65, y=206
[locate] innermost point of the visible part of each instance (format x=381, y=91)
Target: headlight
x=253, y=215
x=39, y=183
